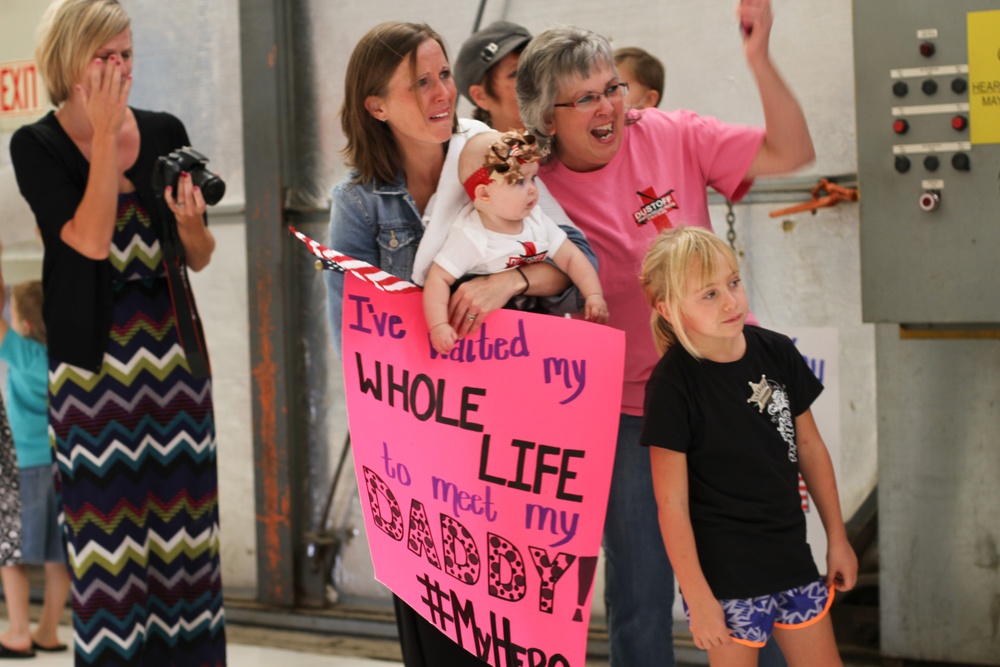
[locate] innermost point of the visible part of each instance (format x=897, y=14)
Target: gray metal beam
x=264, y=67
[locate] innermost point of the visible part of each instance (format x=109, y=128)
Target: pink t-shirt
x=657, y=180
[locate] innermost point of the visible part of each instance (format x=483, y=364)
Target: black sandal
x=58, y=648
x=9, y=653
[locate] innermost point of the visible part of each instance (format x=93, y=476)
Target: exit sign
x=20, y=89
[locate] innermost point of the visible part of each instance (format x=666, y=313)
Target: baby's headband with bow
x=505, y=157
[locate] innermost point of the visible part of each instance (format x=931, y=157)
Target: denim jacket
x=380, y=224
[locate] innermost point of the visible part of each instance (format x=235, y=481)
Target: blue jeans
x=639, y=584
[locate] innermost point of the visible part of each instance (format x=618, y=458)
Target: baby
x=502, y=229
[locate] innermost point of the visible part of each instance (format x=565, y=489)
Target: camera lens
x=212, y=187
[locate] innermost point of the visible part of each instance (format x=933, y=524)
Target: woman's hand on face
x=187, y=204
x=475, y=299
x=106, y=101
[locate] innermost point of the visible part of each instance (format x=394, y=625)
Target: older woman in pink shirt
x=622, y=178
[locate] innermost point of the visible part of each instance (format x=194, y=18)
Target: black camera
x=168, y=169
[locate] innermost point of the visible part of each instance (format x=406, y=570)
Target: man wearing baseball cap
x=486, y=70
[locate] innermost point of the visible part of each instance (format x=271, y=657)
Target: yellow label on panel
x=984, y=76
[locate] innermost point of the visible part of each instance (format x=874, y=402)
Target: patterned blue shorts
x=751, y=620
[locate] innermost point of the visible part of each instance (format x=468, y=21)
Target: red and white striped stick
x=331, y=260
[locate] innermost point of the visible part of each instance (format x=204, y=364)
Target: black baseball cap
x=484, y=49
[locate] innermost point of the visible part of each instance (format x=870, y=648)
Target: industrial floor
x=252, y=645
x=257, y=647
x=246, y=650
x=245, y=655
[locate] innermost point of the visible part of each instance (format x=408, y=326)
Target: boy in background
x=644, y=75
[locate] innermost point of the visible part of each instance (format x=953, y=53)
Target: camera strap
x=185, y=314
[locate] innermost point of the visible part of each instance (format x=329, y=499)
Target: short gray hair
x=550, y=58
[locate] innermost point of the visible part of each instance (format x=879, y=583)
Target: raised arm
x=787, y=144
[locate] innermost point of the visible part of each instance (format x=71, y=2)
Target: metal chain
x=731, y=221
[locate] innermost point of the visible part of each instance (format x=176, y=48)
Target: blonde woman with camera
x=130, y=402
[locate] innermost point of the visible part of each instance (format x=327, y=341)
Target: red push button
x=959, y=122
x=930, y=200
x=900, y=126
x=927, y=49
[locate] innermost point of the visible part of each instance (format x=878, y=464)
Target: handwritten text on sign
x=485, y=473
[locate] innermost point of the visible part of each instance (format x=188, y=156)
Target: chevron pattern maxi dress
x=136, y=452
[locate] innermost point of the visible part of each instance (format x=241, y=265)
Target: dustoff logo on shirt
x=530, y=256
x=654, y=209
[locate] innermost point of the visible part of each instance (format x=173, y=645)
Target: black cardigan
x=52, y=176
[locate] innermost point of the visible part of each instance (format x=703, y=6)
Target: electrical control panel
x=927, y=84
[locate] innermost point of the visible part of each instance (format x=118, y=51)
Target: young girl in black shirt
x=728, y=424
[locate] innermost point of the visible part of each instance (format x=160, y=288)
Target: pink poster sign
x=484, y=474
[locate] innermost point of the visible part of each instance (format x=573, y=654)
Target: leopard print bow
x=508, y=153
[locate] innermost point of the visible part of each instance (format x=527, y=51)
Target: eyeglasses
x=615, y=91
